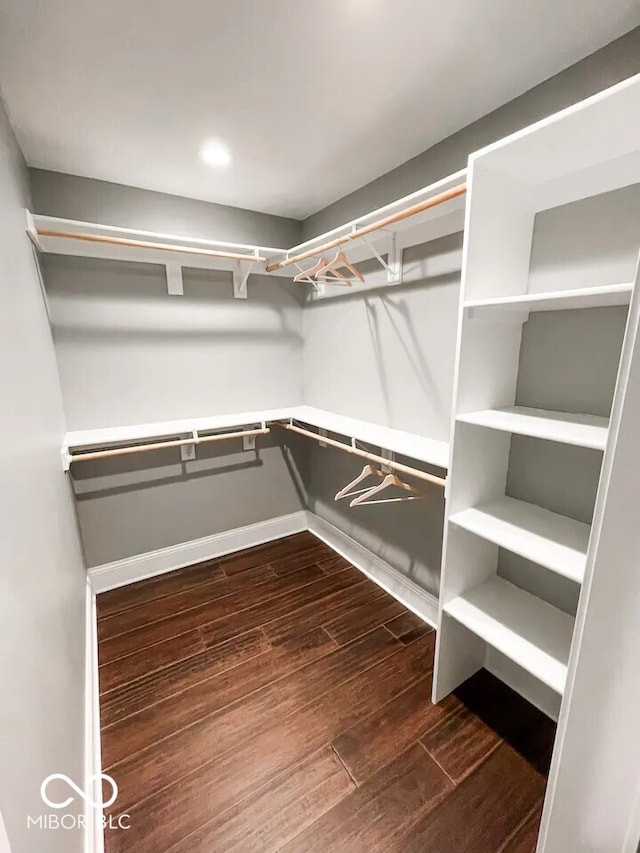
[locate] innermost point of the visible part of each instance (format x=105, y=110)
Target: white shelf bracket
x=188, y=451
x=323, y=433
x=175, y=286
x=66, y=458
x=248, y=442
x=393, y=267
x=395, y=257
x=240, y=276
x=387, y=454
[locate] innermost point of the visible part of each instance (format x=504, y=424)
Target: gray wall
x=89, y=200
x=387, y=355
x=42, y=584
x=130, y=353
x=611, y=64
x=569, y=362
x=138, y=503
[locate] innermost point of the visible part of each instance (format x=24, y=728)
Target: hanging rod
x=372, y=457
x=412, y=210
x=145, y=244
x=160, y=445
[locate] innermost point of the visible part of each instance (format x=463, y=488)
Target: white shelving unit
x=509, y=182
x=484, y=620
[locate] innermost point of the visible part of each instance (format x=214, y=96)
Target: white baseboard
x=94, y=838
x=132, y=569
x=413, y=597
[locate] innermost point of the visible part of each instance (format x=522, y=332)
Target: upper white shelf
x=438, y=221
x=532, y=633
x=153, y=252
x=554, y=541
x=138, y=432
x=587, y=297
x=431, y=224
x=408, y=444
x=580, y=430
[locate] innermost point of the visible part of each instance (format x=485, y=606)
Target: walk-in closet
x=321, y=411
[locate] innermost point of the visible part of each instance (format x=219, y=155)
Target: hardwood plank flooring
x=276, y=699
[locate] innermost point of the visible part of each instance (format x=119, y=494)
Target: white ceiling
x=314, y=97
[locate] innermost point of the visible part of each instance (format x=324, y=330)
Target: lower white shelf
x=532, y=633
x=551, y=540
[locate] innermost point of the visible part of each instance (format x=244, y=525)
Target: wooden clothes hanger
x=341, y=262
x=316, y=268
x=390, y=480
x=369, y=470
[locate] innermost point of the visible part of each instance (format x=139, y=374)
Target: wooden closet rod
x=447, y=195
x=145, y=244
x=372, y=457
x=159, y=445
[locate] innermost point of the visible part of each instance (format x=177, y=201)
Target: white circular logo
x=86, y=797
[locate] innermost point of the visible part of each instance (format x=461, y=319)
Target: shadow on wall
x=130, y=505
x=393, y=347
x=128, y=352
x=118, y=475
x=111, y=299
x=407, y=535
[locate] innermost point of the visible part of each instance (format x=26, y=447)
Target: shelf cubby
x=532, y=633
x=551, y=540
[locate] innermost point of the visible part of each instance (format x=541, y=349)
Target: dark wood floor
x=277, y=699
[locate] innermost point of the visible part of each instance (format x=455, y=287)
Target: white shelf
x=433, y=223
x=554, y=541
x=527, y=630
x=584, y=297
x=580, y=430
x=408, y=444
x=436, y=222
x=138, y=432
x=84, y=249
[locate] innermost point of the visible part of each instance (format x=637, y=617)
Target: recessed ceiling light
x=215, y=154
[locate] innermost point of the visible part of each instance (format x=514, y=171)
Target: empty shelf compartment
x=551, y=540
x=566, y=427
x=532, y=633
